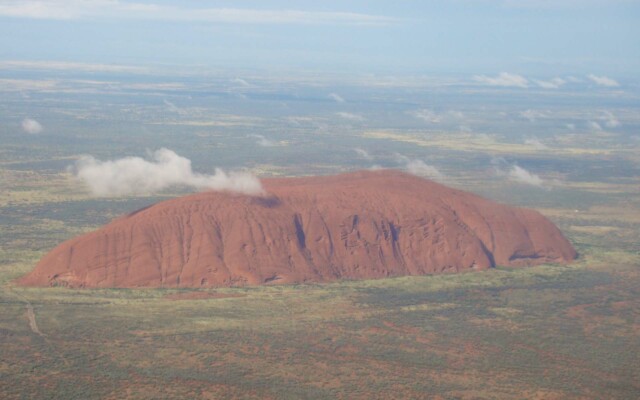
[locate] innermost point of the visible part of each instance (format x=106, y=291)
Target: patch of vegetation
x=551, y=331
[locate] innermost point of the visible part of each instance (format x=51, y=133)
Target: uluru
x=359, y=225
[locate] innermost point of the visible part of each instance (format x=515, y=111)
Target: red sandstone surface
x=362, y=225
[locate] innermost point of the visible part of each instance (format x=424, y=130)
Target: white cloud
x=610, y=120
x=554, y=83
x=31, y=126
x=535, y=143
x=135, y=175
x=418, y=167
x=595, y=126
x=336, y=97
x=571, y=127
x=455, y=114
x=603, y=81
x=521, y=175
x=505, y=79
x=515, y=173
x=70, y=66
x=426, y=115
x=241, y=82
x=433, y=117
x=115, y=9
x=263, y=141
x=363, y=154
x=557, y=4
x=172, y=107
x=350, y=116
x=532, y=115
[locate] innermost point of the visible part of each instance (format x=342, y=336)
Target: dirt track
x=31, y=315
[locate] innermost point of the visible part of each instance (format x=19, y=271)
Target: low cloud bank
x=337, y=98
x=31, y=126
x=610, y=120
x=533, y=115
x=240, y=82
x=135, y=175
x=418, y=167
x=350, y=116
x=594, y=126
x=505, y=79
x=554, y=83
x=535, y=143
x=603, y=81
x=414, y=166
x=263, y=141
x=171, y=107
x=362, y=153
x=432, y=117
x=521, y=175
x=426, y=115
x=516, y=173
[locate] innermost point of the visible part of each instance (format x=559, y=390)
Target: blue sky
x=540, y=37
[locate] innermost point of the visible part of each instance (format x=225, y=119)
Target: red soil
x=368, y=224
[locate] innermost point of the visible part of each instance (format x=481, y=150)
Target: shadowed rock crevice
x=362, y=225
x=297, y=221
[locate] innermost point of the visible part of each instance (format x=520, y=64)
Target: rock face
x=353, y=226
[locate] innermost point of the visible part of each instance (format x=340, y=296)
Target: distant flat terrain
x=543, y=332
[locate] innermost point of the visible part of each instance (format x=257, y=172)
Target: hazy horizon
x=459, y=37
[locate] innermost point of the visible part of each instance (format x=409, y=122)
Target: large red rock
x=361, y=225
